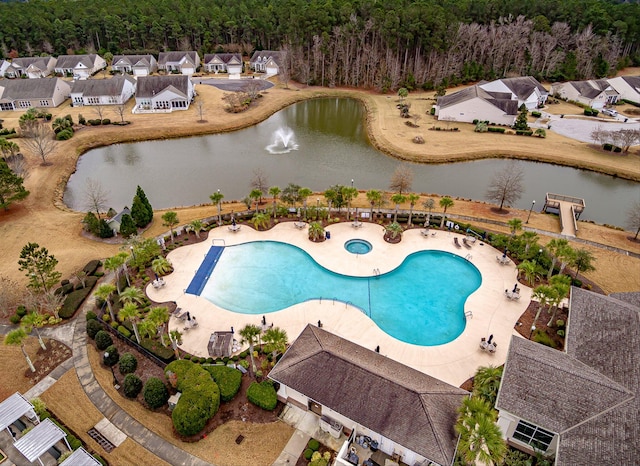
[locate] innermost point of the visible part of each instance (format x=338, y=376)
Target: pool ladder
x=376, y=272
x=468, y=257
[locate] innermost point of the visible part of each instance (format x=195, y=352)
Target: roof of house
x=632, y=81
x=174, y=57
x=39, y=88
x=590, y=89
x=71, y=61
x=502, y=100
x=118, y=217
x=277, y=56
x=25, y=62
x=588, y=394
x=101, y=87
x=224, y=57
x=148, y=86
x=407, y=406
x=523, y=86
x=132, y=60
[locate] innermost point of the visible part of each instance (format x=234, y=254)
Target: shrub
x=93, y=327
x=228, y=380
x=21, y=311
x=522, y=132
x=313, y=445
x=113, y=356
x=73, y=301
x=106, y=121
x=15, y=319
x=132, y=385
x=91, y=267
x=82, y=120
x=122, y=329
x=560, y=332
x=560, y=323
x=128, y=364
x=307, y=454
x=543, y=338
x=65, y=134
x=154, y=346
x=65, y=289
x=263, y=395
x=103, y=340
x=155, y=393
x=91, y=315
x=536, y=114
x=493, y=129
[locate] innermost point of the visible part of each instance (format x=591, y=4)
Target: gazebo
x=39, y=440
x=80, y=457
x=13, y=408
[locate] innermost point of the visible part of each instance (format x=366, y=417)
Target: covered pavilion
x=39, y=440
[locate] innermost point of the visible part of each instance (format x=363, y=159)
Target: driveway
x=581, y=129
x=234, y=85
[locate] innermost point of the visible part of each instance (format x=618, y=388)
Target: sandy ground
x=12, y=361
x=42, y=217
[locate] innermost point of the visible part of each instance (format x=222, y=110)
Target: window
x=44, y=103
x=533, y=435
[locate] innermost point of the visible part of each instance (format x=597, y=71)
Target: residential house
x=581, y=404
x=526, y=90
x=79, y=66
x=475, y=103
x=30, y=67
x=4, y=65
x=163, y=94
x=223, y=63
x=114, y=91
x=628, y=87
x=179, y=62
x=115, y=221
x=21, y=94
x=267, y=61
x=137, y=65
x=595, y=93
x=360, y=392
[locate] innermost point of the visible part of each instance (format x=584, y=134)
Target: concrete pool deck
x=454, y=362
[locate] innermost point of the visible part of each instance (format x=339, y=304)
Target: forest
x=377, y=44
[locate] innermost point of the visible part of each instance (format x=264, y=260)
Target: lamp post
x=317, y=208
x=533, y=329
x=532, y=206
x=133, y=252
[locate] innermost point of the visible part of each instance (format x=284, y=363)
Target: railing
x=560, y=197
x=213, y=241
x=468, y=257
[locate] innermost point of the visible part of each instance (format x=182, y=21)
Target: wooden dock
x=569, y=208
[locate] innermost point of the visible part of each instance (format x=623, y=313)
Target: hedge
x=103, y=340
x=73, y=301
x=492, y=129
x=132, y=385
x=89, y=282
x=263, y=395
x=155, y=393
x=128, y=364
x=113, y=357
x=91, y=267
x=155, y=347
x=93, y=327
x=522, y=132
x=123, y=330
x=228, y=380
x=64, y=289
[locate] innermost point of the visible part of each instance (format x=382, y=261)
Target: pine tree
x=127, y=226
x=104, y=231
x=143, y=197
x=521, y=123
x=139, y=212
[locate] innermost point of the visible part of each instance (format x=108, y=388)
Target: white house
x=223, y=63
x=628, y=87
x=526, y=90
x=4, y=65
x=267, y=61
x=137, y=65
x=475, y=103
x=179, y=62
x=581, y=404
x=31, y=67
x=163, y=94
x=113, y=91
x=596, y=93
x=355, y=392
x=22, y=94
x=79, y=66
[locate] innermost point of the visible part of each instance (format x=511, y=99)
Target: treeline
x=363, y=43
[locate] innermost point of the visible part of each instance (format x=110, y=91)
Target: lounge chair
x=456, y=242
x=466, y=243
x=502, y=259
x=425, y=232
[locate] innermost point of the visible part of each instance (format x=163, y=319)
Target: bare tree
x=200, y=110
x=633, y=218
x=96, y=197
x=18, y=165
x=120, y=110
x=38, y=138
x=252, y=88
x=99, y=111
x=627, y=138
x=401, y=180
x=506, y=185
x=260, y=182
x=11, y=296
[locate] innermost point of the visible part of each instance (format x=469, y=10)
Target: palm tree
x=131, y=312
x=303, y=194
x=545, y=295
x=170, y=219
x=104, y=293
x=397, y=199
x=393, y=230
x=216, y=198
x=486, y=383
x=515, y=224
x=196, y=226
x=529, y=238
x=429, y=204
x=583, y=261
x=562, y=285
x=316, y=231
x=275, y=340
x=160, y=266
x=159, y=316
x=445, y=203
x=413, y=198
x=249, y=334
x=373, y=196
x=113, y=264
x=260, y=220
x=256, y=195
x=349, y=193
x=131, y=295
x=16, y=338
x=124, y=259
x=175, y=336
x=480, y=437
x=530, y=271
x=274, y=191
x=147, y=328
x=35, y=321
x=556, y=247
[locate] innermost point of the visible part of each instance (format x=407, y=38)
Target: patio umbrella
x=515, y=287
x=233, y=221
x=188, y=316
x=505, y=253
x=490, y=338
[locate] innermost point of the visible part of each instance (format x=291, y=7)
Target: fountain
x=283, y=141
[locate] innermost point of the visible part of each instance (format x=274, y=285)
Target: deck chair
x=425, y=232
x=466, y=243
x=456, y=242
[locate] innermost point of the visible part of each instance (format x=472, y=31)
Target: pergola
x=80, y=457
x=39, y=440
x=13, y=408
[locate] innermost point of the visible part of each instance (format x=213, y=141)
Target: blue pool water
x=358, y=246
x=420, y=302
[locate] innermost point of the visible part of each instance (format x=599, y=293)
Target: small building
x=137, y=65
x=185, y=63
x=115, y=221
x=525, y=90
x=628, y=87
x=595, y=93
x=113, y=91
x=163, y=94
x=220, y=344
x=79, y=66
x=22, y=94
x=30, y=67
x=267, y=61
x=223, y=63
x=476, y=103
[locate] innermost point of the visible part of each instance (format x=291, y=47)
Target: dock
x=569, y=208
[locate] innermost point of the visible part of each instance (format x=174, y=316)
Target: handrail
x=213, y=241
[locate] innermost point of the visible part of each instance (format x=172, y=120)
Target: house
x=267, y=61
x=31, y=67
x=114, y=91
x=223, y=63
x=79, y=66
x=115, y=221
x=583, y=404
x=163, y=94
x=595, y=93
x=179, y=62
x=526, y=90
x=475, y=103
x=137, y=65
x=21, y=94
x=628, y=87
x=4, y=65
x=409, y=414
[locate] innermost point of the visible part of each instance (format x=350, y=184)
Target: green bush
x=15, y=319
x=91, y=315
x=164, y=353
x=93, y=327
x=155, y=393
x=91, y=267
x=113, y=356
x=313, y=445
x=263, y=395
x=228, y=380
x=128, y=364
x=103, y=340
x=560, y=332
x=73, y=301
x=132, y=385
x=536, y=114
x=64, y=134
x=522, y=132
x=307, y=454
x=122, y=329
x=560, y=323
x=543, y=338
x=106, y=121
x=492, y=129
x=21, y=311
x=64, y=290
x=82, y=120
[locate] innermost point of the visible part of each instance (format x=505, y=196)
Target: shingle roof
x=148, y=86
x=224, y=57
x=71, y=61
x=590, y=89
x=523, y=86
x=633, y=81
x=407, y=406
x=502, y=100
x=174, y=57
x=132, y=59
x=101, y=87
x=24, y=62
x=39, y=88
x=262, y=54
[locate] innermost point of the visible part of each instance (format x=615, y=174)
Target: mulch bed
x=302, y=461
x=47, y=360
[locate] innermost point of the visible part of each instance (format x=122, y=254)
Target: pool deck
x=454, y=362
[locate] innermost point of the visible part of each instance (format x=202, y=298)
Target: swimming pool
x=420, y=302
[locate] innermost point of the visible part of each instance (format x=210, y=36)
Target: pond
x=316, y=144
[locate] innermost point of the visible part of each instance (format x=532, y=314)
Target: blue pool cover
x=204, y=271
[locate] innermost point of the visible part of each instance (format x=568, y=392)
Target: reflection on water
x=333, y=148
